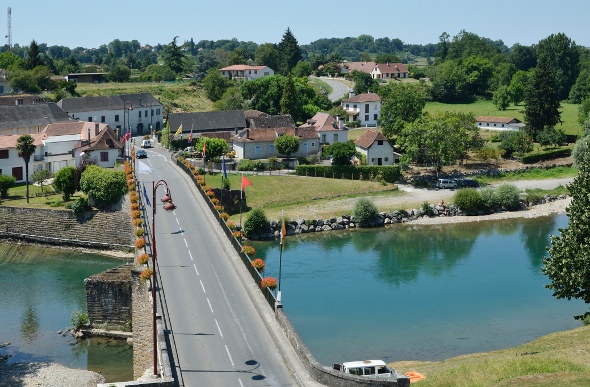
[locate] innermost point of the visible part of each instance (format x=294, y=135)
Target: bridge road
x=220, y=331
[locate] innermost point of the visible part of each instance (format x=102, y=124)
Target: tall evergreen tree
x=542, y=99
x=289, y=104
x=289, y=53
x=25, y=149
x=173, y=56
x=564, y=57
x=33, y=56
x=567, y=265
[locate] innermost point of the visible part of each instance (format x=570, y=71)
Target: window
x=145, y=114
x=4, y=153
x=20, y=101
x=89, y=119
x=139, y=113
x=104, y=156
x=152, y=112
x=375, y=117
x=335, y=137
x=354, y=106
x=366, y=117
x=379, y=142
x=323, y=138
x=116, y=118
x=271, y=148
x=157, y=112
x=313, y=144
x=257, y=149
x=387, y=159
x=366, y=108
x=102, y=119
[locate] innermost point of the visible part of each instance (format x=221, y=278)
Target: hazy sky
x=89, y=24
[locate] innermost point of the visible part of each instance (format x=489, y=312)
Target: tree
x=450, y=83
x=542, y=99
x=563, y=56
x=40, y=176
x=267, y=54
x=523, y=57
x=26, y=148
x=215, y=148
x=584, y=111
x=289, y=99
x=119, y=73
x=6, y=182
x=479, y=71
x=106, y=186
x=287, y=145
x=230, y=100
x=551, y=136
x=65, y=181
x=518, y=85
x=215, y=85
x=400, y=104
x=581, y=88
x=157, y=73
x=173, y=56
x=363, y=82
x=33, y=56
x=580, y=149
x=289, y=53
x=501, y=98
x=567, y=264
x=341, y=152
x=364, y=212
x=515, y=142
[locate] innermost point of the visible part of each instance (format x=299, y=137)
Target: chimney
x=339, y=121
x=88, y=138
x=96, y=129
x=248, y=133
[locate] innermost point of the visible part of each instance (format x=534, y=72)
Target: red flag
x=190, y=137
x=283, y=234
x=204, y=147
x=245, y=182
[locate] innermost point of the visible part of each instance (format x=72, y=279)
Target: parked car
x=146, y=143
x=140, y=154
x=446, y=183
x=467, y=183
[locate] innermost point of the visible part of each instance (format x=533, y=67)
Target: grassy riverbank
x=557, y=359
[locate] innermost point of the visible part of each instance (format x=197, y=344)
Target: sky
x=89, y=24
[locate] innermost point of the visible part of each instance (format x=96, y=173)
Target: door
x=17, y=173
x=379, y=161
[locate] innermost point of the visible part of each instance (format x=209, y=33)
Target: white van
x=446, y=183
x=369, y=368
x=146, y=143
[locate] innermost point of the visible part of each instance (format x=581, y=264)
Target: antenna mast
x=9, y=36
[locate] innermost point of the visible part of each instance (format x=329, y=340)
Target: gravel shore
x=46, y=375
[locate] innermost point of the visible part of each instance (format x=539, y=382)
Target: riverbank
x=47, y=375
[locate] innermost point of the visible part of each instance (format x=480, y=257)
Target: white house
x=330, y=129
x=498, y=123
x=255, y=144
x=364, y=108
x=12, y=164
x=377, y=151
x=241, y=71
x=390, y=71
x=140, y=113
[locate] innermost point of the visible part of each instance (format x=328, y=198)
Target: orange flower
x=268, y=282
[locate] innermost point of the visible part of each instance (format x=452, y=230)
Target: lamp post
x=124, y=123
x=168, y=206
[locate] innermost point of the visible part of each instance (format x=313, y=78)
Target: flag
x=223, y=167
x=126, y=136
x=245, y=182
x=145, y=195
x=283, y=233
x=179, y=131
x=190, y=137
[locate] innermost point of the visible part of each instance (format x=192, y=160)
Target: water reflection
x=29, y=325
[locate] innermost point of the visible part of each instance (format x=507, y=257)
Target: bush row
x=546, y=155
x=389, y=174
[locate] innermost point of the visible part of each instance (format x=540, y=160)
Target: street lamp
x=124, y=123
x=168, y=206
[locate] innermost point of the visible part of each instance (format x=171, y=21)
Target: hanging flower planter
x=224, y=216
x=268, y=282
x=137, y=222
x=143, y=259
x=135, y=214
x=249, y=250
x=140, y=243
x=237, y=234
x=231, y=225
x=258, y=264
x=139, y=232
x=147, y=273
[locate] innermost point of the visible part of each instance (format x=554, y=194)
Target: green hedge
x=546, y=155
x=389, y=174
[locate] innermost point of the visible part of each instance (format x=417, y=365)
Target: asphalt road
x=338, y=88
x=220, y=331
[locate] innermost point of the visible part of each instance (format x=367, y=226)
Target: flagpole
x=241, y=199
x=283, y=232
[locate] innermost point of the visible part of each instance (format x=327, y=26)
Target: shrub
x=79, y=319
x=268, y=282
x=79, y=206
x=489, y=200
x=256, y=222
x=104, y=185
x=364, y=211
x=427, y=209
x=143, y=259
x=468, y=200
x=508, y=197
x=6, y=182
x=65, y=181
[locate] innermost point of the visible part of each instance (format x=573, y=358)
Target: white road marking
x=191, y=255
x=210, y=307
x=220, y=333
x=196, y=271
x=228, y=355
x=202, y=286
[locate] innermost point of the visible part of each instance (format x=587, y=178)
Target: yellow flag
x=179, y=131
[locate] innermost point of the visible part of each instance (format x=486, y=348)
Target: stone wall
x=98, y=229
x=142, y=325
x=108, y=299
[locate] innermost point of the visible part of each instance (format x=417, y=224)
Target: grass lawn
x=557, y=359
x=46, y=198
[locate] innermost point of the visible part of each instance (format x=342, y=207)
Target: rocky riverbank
x=46, y=375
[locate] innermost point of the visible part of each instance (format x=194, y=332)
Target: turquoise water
x=41, y=288
x=420, y=292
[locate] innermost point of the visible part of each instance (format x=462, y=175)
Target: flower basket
x=137, y=222
x=224, y=216
x=210, y=194
x=268, y=282
x=143, y=259
x=135, y=214
x=214, y=200
x=258, y=264
x=231, y=225
x=147, y=273
x=237, y=234
x=133, y=198
x=140, y=243
x=217, y=207
x=139, y=232
x=249, y=250
x=134, y=206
